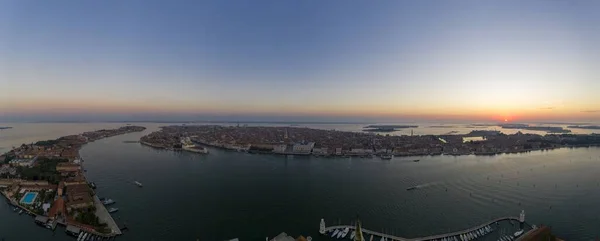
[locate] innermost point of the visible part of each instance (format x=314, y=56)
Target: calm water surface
x=226, y=194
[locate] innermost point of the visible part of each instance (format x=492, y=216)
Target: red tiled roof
x=57, y=206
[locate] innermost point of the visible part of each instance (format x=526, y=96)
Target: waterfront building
x=303, y=148
x=280, y=148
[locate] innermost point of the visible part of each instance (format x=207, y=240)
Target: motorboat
x=518, y=233
x=343, y=234
x=108, y=202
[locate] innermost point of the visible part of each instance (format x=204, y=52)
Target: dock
x=324, y=230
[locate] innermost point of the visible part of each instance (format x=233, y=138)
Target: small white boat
x=80, y=236
x=518, y=233
x=108, y=202
x=335, y=232
x=344, y=233
x=112, y=210
x=371, y=238
x=139, y=184
x=352, y=234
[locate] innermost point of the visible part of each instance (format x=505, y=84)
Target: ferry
x=108, y=202
x=138, y=183
x=112, y=210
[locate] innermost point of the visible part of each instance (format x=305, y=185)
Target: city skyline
x=300, y=61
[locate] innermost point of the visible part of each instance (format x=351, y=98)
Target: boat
x=84, y=236
x=108, y=202
x=93, y=185
x=382, y=239
x=387, y=157
x=416, y=160
x=309, y=238
x=343, y=235
x=335, y=232
x=412, y=188
x=138, y=183
x=80, y=236
x=352, y=234
x=20, y=211
x=518, y=233
x=112, y=210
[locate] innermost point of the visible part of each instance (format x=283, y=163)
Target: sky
x=331, y=60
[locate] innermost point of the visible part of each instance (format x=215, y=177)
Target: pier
x=324, y=230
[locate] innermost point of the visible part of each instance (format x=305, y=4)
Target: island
x=5, y=127
x=585, y=127
x=165, y=139
x=319, y=142
x=386, y=128
x=46, y=180
x=549, y=129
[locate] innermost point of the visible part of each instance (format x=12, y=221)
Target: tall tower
x=358, y=236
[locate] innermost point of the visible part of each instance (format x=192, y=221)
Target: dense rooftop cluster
x=331, y=142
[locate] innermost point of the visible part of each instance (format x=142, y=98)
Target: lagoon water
x=226, y=194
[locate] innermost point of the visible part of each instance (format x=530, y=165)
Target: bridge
x=325, y=230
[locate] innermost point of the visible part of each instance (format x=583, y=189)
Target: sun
x=505, y=119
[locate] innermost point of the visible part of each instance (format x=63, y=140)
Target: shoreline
x=259, y=152
x=107, y=218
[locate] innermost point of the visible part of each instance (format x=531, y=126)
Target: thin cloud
x=548, y=108
x=590, y=111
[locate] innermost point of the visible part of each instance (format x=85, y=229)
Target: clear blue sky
x=314, y=60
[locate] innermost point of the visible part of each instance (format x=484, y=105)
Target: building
x=303, y=148
x=67, y=167
x=320, y=151
x=57, y=209
x=280, y=148
x=60, y=189
x=81, y=203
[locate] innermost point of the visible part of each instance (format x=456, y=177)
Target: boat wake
x=425, y=185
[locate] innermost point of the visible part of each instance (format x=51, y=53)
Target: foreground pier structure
x=324, y=230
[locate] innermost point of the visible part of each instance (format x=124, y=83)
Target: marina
x=462, y=235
